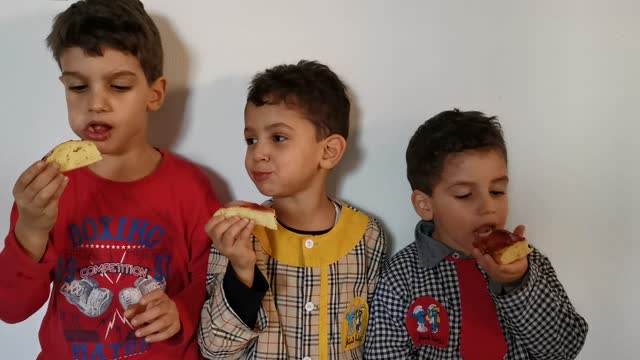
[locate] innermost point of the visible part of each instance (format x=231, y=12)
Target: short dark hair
x=451, y=131
x=122, y=25
x=309, y=86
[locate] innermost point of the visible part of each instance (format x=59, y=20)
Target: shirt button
x=308, y=243
x=309, y=306
x=306, y=358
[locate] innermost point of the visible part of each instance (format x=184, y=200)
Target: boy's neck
x=306, y=213
x=133, y=165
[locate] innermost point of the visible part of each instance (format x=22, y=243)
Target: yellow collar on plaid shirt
x=314, y=251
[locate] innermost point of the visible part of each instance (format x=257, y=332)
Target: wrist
x=32, y=241
x=245, y=274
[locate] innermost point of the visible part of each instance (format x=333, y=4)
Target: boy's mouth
x=484, y=230
x=98, y=131
x=260, y=176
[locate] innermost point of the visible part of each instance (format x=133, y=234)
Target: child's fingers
x=231, y=235
x=61, y=188
x=149, y=315
x=164, y=334
x=211, y=224
x=47, y=193
x=27, y=177
x=131, y=310
x=41, y=181
x=515, y=268
x=152, y=296
x=519, y=230
x=51, y=208
x=478, y=255
x=505, y=273
x=485, y=261
x=219, y=231
x=245, y=234
x=153, y=326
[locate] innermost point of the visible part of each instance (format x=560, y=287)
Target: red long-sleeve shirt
x=110, y=239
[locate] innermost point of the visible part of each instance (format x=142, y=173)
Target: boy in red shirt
x=128, y=229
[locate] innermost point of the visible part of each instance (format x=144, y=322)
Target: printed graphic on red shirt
x=111, y=265
x=428, y=323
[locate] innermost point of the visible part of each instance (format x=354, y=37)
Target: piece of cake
x=263, y=216
x=74, y=154
x=504, y=246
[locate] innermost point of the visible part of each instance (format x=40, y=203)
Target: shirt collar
x=431, y=251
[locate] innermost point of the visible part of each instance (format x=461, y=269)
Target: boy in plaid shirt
x=301, y=291
x=439, y=297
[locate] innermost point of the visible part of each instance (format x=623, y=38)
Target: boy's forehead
x=79, y=61
x=273, y=112
x=472, y=164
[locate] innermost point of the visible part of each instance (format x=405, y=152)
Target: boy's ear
x=332, y=151
x=422, y=204
x=158, y=91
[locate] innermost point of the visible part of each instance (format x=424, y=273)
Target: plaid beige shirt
x=317, y=303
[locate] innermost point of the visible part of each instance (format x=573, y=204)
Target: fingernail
x=40, y=164
x=138, y=333
x=134, y=322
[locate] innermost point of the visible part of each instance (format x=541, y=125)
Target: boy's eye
x=464, y=196
x=497, y=193
x=279, y=138
x=120, y=88
x=250, y=141
x=77, y=88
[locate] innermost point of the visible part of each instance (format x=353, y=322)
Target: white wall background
x=563, y=76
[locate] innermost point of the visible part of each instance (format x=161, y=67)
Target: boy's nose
x=260, y=152
x=487, y=205
x=98, y=102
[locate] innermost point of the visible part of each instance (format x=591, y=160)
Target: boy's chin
x=267, y=192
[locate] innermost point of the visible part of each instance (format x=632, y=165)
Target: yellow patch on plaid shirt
x=354, y=323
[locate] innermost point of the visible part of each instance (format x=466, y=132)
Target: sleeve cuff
x=499, y=289
x=245, y=301
x=22, y=261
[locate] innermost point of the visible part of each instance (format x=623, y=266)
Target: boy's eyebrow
x=109, y=76
x=504, y=178
x=501, y=179
x=279, y=125
x=121, y=73
x=272, y=127
x=461, y=183
x=71, y=73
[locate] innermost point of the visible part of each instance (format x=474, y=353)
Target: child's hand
x=232, y=238
x=37, y=193
x=503, y=274
x=161, y=318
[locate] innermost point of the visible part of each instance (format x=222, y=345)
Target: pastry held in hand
x=74, y=154
x=263, y=216
x=504, y=246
